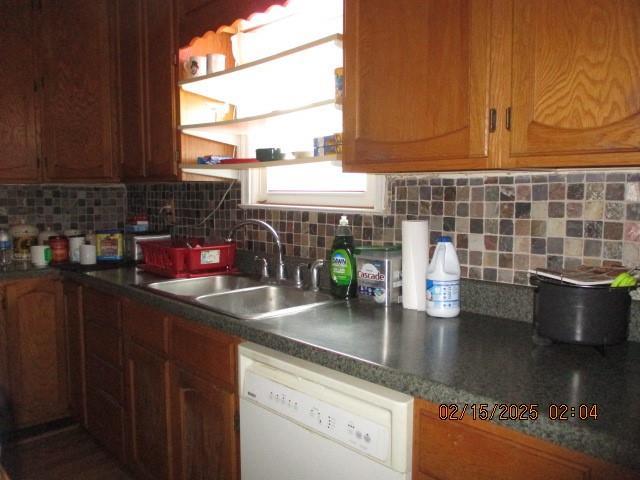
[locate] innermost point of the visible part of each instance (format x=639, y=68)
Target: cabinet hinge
x=507, y=120
x=236, y=422
x=38, y=163
x=4, y=307
x=493, y=118
x=175, y=59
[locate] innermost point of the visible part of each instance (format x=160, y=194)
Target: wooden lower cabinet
x=75, y=350
x=181, y=406
x=147, y=390
x=33, y=363
x=205, y=440
x=147, y=379
x=463, y=449
x=103, y=344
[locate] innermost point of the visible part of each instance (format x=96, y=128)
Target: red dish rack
x=179, y=260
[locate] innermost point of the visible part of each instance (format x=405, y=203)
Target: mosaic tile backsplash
x=502, y=225
x=85, y=207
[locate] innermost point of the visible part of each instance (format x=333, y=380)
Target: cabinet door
x=37, y=366
x=480, y=449
x=75, y=350
x=78, y=127
x=147, y=43
x=160, y=88
x=147, y=379
x=205, y=444
x=132, y=113
x=416, y=85
x=575, y=83
x=19, y=160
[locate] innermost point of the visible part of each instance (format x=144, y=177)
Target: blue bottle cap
x=444, y=239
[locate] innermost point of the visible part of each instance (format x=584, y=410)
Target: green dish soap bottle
x=342, y=265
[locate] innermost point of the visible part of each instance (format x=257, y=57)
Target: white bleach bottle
x=443, y=281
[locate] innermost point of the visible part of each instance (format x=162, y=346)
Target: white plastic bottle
x=443, y=281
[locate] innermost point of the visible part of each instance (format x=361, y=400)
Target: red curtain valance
x=199, y=17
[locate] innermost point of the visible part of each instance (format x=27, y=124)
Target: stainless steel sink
x=196, y=287
x=270, y=301
x=241, y=297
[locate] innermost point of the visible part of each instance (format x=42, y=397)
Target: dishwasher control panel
x=336, y=423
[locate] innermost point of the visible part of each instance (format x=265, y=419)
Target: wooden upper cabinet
x=78, y=126
x=131, y=46
x=36, y=345
x=575, y=83
x=161, y=161
x=147, y=47
x=19, y=158
x=417, y=85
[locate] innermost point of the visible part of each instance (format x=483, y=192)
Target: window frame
x=254, y=195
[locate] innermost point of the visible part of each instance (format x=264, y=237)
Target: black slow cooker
x=589, y=315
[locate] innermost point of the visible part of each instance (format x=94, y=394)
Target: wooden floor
x=65, y=455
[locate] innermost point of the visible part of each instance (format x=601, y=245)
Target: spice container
x=109, y=245
x=379, y=274
x=23, y=237
x=59, y=249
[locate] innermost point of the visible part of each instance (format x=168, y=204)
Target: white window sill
x=311, y=208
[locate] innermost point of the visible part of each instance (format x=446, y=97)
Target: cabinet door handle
x=493, y=116
x=507, y=120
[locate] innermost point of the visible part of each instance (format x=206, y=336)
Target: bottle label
x=340, y=268
x=443, y=294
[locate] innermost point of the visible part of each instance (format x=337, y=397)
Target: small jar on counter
x=59, y=249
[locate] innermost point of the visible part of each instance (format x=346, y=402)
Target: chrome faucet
x=315, y=269
x=280, y=274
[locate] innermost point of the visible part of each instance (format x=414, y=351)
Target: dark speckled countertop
x=469, y=359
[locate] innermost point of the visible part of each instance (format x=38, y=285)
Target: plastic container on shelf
x=443, y=281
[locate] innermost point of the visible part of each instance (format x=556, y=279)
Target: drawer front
x=102, y=308
x=204, y=351
x=146, y=326
x=105, y=421
x=104, y=377
x=105, y=343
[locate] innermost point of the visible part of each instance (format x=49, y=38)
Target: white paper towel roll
x=415, y=259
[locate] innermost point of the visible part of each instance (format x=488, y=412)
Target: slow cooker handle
x=534, y=280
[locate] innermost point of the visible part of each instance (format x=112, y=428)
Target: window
x=320, y=185
x=316, y=184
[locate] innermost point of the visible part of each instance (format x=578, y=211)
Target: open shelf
x=215, y=170
x=286, y=79
x=325, y=115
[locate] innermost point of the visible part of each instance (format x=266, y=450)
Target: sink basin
x=240, y=297
x=196, y=287
x=265, y=302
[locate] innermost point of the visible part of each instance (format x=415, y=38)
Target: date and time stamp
x=523, y=411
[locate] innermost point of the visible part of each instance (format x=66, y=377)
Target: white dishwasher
x=301, y=421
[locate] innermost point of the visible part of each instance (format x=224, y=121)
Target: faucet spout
x=280, y=273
